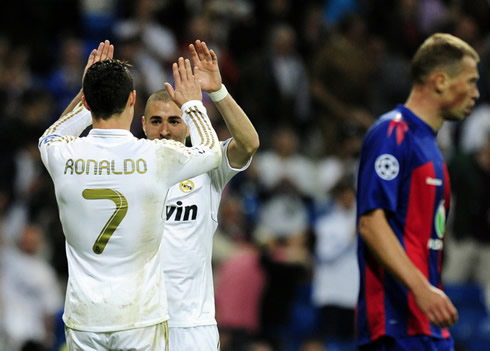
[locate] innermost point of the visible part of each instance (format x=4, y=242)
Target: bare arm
x=378, y=235
x=245, y=138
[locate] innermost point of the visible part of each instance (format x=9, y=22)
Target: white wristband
x=218, y=95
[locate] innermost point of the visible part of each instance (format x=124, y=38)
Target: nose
x=164, y=131
x=477, y=93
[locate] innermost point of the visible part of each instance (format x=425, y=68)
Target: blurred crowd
x=312, y=75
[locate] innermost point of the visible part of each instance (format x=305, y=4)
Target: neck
x=424, y=104
x=119, y=121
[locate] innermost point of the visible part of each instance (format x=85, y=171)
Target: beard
x=456, y=115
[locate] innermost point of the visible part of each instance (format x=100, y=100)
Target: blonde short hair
x=441, y=51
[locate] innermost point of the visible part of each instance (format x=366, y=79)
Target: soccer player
x=192, y=207
x=111, y=189
x=403, y=199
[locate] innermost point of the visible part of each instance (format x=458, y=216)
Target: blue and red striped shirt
x=401, y=171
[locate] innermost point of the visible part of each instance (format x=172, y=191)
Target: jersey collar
x=415, y=121
x=110, y=133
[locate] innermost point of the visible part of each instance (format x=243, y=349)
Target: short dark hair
x=440, y=51
x=161, y=95
x=106, y=87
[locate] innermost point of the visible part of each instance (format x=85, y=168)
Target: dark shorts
x=410, y=343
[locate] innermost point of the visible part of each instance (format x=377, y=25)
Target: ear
x=143, y=125
x=132, y=98
x=440, y=80
x=85, y=103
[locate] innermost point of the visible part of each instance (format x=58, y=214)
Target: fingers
x=199, y=48
x=182, y=70
x=170, y=90
x=202, y=52
x=91, y=57
x=187, y=86
x=194, y=55
x=176, y=74
x=205, y=51
x=455, y=317
x=99, y=52
x=449, y=315
x=214, y=57
x=444, y=314
x=188, y=70
x=437, y=307
x=107, y=51
x=104, y=51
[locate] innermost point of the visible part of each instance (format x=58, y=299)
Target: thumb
x=170, y=90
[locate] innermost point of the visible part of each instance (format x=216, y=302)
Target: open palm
x=207, y=62
x=105, y=51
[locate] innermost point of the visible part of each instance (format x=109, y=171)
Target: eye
x=174, y=121
x=156, y=122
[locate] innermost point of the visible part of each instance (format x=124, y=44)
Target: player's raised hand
x=437, y=307
x=207, y=62
x=187, y=86
x=105, y=51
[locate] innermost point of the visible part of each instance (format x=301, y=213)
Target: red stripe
x=418, y=229
x=375, y=306
x=445, y=333
x=447, y=205
x=447, y=189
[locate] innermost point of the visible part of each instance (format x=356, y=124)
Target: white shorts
x=152, y=338
x=202, y=338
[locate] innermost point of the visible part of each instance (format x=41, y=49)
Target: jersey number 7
x=116, y=218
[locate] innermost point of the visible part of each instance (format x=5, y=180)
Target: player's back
x=111, y=190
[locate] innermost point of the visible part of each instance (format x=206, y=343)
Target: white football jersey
x=192, y=218
x=111, y=189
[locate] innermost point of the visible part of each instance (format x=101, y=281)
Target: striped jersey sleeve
x=204, y=142
x=68, y=126
x=201, y=130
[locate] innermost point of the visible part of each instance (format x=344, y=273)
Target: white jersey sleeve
x=222, y=175
x=71, y=124
x=204, y=142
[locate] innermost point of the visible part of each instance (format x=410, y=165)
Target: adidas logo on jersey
x=179, y=213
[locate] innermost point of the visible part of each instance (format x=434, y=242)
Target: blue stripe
x=48, y=138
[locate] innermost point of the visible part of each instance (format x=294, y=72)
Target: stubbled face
x=462, y=92
x=163, y=120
